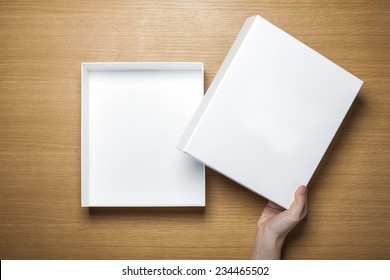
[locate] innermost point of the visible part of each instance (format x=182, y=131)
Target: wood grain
x=42, y=44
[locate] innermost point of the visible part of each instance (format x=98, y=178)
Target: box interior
x=133, y=115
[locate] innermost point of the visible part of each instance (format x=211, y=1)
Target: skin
x=275, y=223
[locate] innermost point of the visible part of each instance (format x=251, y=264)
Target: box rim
x=124, y=66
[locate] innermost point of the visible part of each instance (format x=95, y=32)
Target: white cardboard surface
x=133, y=114
x=270, y=113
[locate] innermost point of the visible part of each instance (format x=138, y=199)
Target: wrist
x=268, y=245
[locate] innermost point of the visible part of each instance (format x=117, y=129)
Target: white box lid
x=270, y=113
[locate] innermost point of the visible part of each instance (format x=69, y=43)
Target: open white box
x=270, y=112
x=133, y=114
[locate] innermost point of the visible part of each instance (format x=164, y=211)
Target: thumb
x=298, y=209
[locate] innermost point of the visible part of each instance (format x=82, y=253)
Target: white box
x=270, y=113
x=133, y=114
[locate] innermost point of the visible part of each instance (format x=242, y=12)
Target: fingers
x=298, y=209
x=274, y=206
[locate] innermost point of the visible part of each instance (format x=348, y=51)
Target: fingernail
x=302, y=190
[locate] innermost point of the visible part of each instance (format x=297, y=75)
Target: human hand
x=275, y=223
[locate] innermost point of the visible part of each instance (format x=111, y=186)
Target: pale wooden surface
x=41, y=48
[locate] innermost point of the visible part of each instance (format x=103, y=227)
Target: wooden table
x=41, y=48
